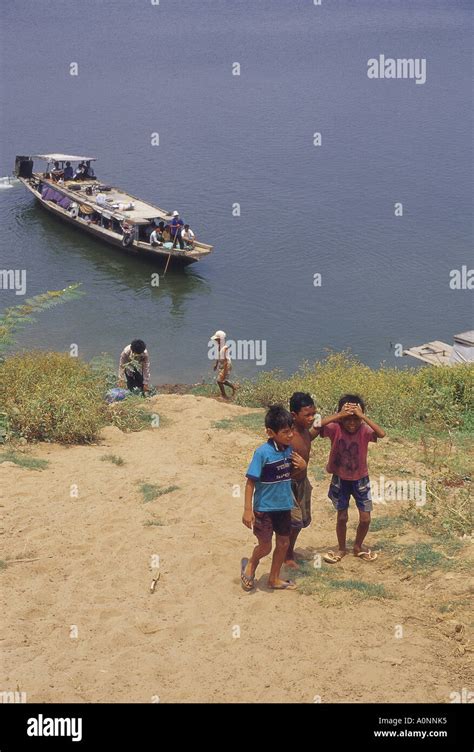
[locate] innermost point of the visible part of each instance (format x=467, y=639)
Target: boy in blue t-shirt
x=269, y=486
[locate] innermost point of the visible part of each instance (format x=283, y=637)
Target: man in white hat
x=223, y=364
x=177, y=225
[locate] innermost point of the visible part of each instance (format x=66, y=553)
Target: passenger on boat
x=176, y=228
x=80, y=172
x=89, y=172
x=156, y=237
x=128, y=232
x=188, y=236
x=134, y=366
x=56, y=172
x=68, y=172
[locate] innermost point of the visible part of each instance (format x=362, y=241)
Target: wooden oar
x=172, y=246
x=167, y=262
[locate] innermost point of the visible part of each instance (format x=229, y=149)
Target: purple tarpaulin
x=49, y=194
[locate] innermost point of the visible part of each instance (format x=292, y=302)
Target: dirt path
x=80, y=624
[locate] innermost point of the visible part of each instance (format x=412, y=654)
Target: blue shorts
x=340, y=491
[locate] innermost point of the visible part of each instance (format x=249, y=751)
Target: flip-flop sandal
x=248, y=583
x=367, y=555
x=331, y=557
x=287, y=585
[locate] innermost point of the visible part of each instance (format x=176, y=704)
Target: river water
x=247, y=139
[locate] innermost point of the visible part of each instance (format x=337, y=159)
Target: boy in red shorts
x=269, y=500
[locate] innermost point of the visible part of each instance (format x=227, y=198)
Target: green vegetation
x=448, y=511
x=321, y=581
x=23, y=460
x=250, y=421
x=54, y=397
x=387, y=523
x=428, y=413
x=204, y=390
x=429, y=398
x=150, y=491
x=115, y=459
x=367, y=589
x=421, y=557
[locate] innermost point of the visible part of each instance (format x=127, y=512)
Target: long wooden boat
x=103, y=211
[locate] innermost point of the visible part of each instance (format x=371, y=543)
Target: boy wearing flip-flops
x=269, y=499
x=350, y=431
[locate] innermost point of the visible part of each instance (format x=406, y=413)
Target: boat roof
x=141, y=214
x=63, y=158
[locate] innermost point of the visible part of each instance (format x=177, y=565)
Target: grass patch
x=150, y=491
x=250, y=422
x=387, y=523
x=223, y=425
x=420, y=558
x=114, y=458
x=453, y=605
x=367, y=589
x=322, y=581
x=131, y=414
x=151, y=523
x=23, y=461
x=204, y=390
x=3, y=564
x=447, y=511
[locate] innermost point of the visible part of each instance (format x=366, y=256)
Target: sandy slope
x=177, y=643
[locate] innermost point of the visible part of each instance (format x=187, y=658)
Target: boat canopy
x=63, y=158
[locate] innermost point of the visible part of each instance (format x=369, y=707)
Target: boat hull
x=174, y=259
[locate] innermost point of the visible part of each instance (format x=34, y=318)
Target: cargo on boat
x=69, y=188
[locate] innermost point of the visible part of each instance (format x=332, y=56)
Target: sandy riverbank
x=93, y=574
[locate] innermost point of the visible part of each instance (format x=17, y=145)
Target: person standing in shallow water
x=223, y=364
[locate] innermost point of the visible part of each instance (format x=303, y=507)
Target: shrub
x=52, y=397
x=435, y=398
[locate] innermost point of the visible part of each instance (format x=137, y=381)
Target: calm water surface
x=247, y=139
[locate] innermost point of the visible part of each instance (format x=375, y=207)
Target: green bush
x=51, y=396
x=437, y=398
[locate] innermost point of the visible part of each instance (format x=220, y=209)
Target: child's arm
x=316, y=430
x=379, y=432
x=248, y=517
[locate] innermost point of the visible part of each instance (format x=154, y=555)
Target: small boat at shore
x=120, y=219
